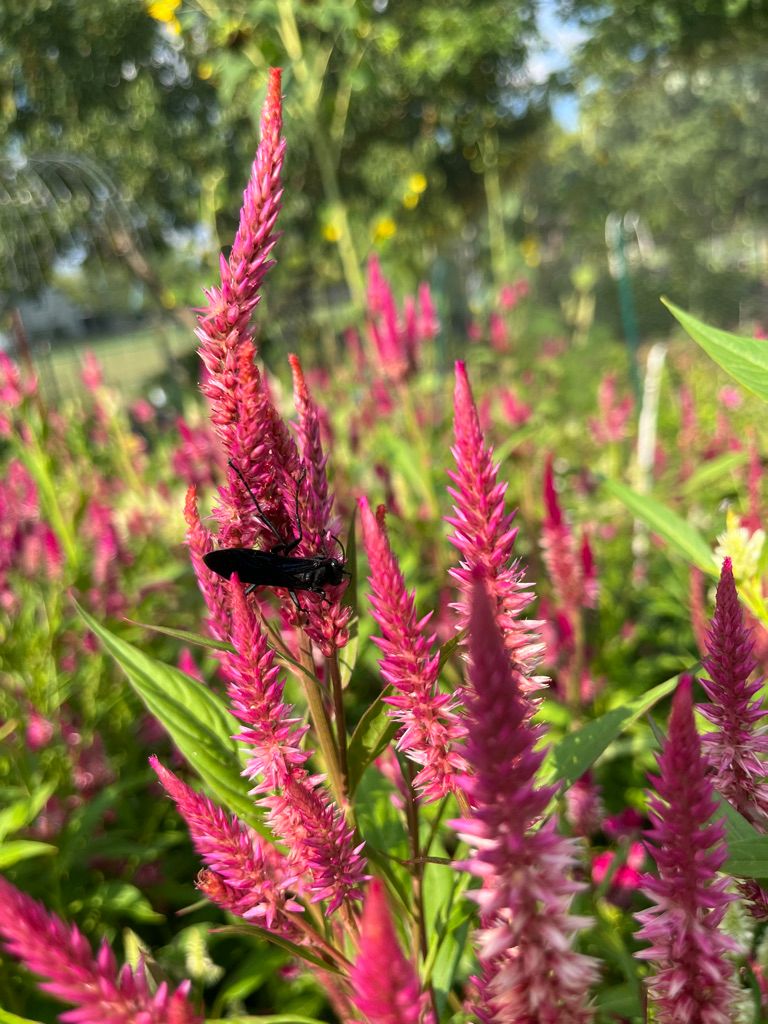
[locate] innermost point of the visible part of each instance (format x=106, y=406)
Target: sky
x=559, y=39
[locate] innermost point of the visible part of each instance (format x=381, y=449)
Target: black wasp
x=278, y=567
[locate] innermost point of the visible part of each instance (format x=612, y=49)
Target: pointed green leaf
x=744, y=359
x=574, y=753
x=300, y=952
x=196, y=639
x=683, y=537
x=748, y=858
x=6, y=1017
x=372, y=734
x=195, y=718
x=18, y=850
x=348, y=654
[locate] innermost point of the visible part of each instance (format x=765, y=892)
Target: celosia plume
x=324, y=856
x=431, y=728
x=529, y=970
x=385, y=987
x=484, y=536
x=254, y=877
x=692, y=978
x=734, y=749
x=101, y=993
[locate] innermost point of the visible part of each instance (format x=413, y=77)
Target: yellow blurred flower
x=168, y=298
x=165, y=12
x=417, y=183
x=531, y=252
x=410, y=200
x=204, y=70
x=331, y=231
x=384, y=228
x=742, y=547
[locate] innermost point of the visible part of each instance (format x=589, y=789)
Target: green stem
x=322, y=726
x=340, y=716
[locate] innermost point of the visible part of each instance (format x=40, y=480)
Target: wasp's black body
x=269, y=569
x=278, y=567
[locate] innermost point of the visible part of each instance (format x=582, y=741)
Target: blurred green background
x=467, y=142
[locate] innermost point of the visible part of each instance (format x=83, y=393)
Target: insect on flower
x=278, y=567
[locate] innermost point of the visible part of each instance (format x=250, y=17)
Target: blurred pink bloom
x=396, y=339
x=759, y=332
x=385, y=986
x=188, y=665
x=143, y=411
x=62, y=955
x=39, y=730
x=692, y=978
x=584, y=807
x=754, y=518
x=571, y=568
x=430, y=727
x=484, y=536
x=511, y=294
x=474, y=331
x=199, y=459
x=730, y=397
x=254, y=877
x=626, y=879
x=626, y=823
x=14, y=389
x=92, y=374
x=530, y=971
x=499, y=334
x=735, y=749
x=612, y=423
x=515, y=411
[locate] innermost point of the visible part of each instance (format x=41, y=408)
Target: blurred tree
x=402, y=121
x=98, y=111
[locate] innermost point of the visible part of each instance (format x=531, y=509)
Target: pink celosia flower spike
x=734, y=749
x=692, y=983
x=485, y=538
x=101, y=993
x=566, y=563
x=253, y=876
x=529, y=970
x=385, y=987
x=327, y=618
x=324, y=857
x=212, y=587
x=431, y=727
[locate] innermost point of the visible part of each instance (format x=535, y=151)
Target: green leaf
x=126, y=900
x=300, y=952
x=196, y=639
x=748, y=858
x=569, y=759
x=6, y=1017
x=685, y=538
x=18, y=850
x=195, y=718
x=738, y=829
x=371, y=736
x=23, y=812
x=709, y=472
x=744, y=359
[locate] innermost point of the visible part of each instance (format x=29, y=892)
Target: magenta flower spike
x=485, y=538
x=566, y=563
x=431, y=729
x=255, y=688
x=212, y=587
x=385, y=986
x=62, y=955
x=253, y=876
x=692, y=979
x=327, y=619
x=529, y=970
x=734, y=750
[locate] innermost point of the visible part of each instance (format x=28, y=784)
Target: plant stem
x=322, y=727
x=412, y=817
x=341, y=721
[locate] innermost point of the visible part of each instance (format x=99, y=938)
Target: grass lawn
x=128, y=360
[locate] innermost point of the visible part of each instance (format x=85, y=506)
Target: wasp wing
x=262, y=568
